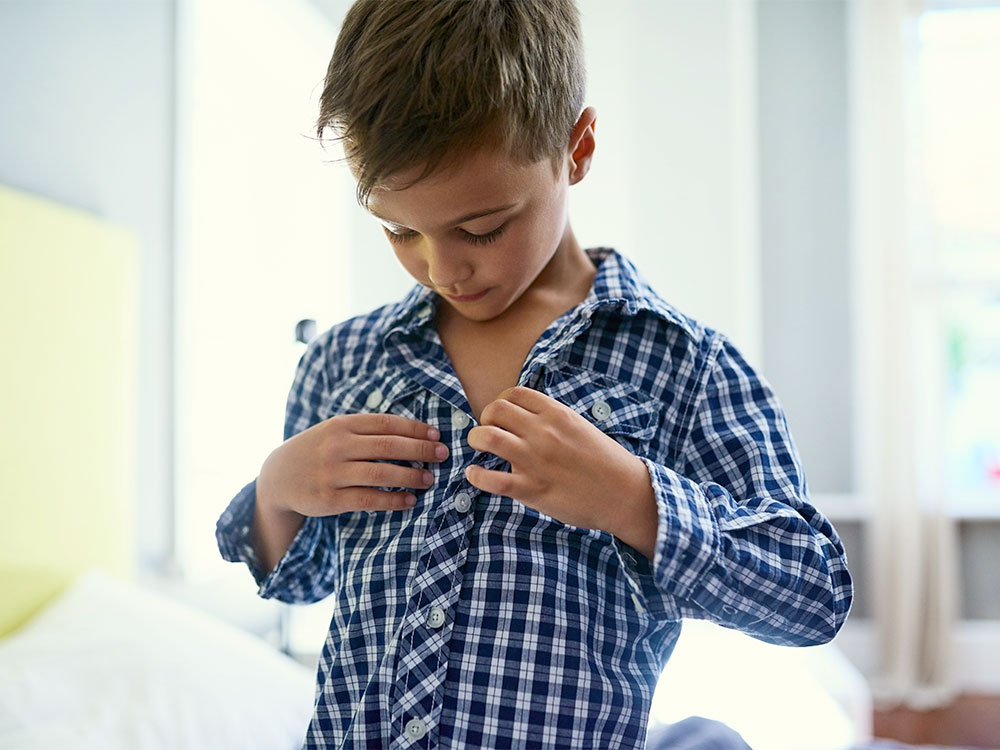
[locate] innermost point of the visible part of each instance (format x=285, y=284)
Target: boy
x=517, y=481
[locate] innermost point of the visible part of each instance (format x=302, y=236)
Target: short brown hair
x=412, y=82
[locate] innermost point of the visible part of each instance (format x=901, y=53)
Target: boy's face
x=479, y=233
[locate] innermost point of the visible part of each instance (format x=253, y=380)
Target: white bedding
x=111, y=666
x=776, y=697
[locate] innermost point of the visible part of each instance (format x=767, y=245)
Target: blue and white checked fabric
x=472, y=620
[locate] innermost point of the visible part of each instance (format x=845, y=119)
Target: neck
x=565, y=280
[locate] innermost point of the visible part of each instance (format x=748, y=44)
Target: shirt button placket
x=463, y=501
x=435, y=617
x=459, y=419
x=416, y=676
x=416, y=729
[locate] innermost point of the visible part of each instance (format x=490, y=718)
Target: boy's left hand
x=560, y=463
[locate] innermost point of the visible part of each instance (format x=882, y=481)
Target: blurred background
x=818, y=179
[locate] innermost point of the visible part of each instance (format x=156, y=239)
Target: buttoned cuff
x=294, y=565
x=232, y=530
x=233, y=534
x=687, y=542
x=646, y=597
x=687, y=535
x=687, y=576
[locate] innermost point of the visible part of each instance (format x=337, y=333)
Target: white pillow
x=109, y=665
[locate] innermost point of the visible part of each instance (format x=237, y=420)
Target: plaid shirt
x=472, y=620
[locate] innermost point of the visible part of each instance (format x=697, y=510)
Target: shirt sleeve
x=307, y=571
x=738, y=541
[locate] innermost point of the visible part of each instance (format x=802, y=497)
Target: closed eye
x=483, y=239
x=398, y=236
x=474, y=239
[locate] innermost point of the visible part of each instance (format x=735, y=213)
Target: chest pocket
x=617, y=408
x=382, y=392
x=385, y=391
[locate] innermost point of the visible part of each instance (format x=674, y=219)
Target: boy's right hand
x=331, y=467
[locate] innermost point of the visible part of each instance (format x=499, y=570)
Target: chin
x=479, y=316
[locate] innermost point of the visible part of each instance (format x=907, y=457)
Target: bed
x=91, y=658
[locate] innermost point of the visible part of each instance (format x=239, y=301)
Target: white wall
x=807, y=332
x=86, y=118
x=674, y=182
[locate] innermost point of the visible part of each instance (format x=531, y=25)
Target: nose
x=446, y=266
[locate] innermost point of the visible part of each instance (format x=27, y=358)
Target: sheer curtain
x=912, y=538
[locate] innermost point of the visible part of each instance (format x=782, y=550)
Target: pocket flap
x=376, y=393
x=615, y=407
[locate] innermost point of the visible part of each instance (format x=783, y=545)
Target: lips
x=467, y=297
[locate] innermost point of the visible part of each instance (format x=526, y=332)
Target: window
x=955, y=221
x=260, y=246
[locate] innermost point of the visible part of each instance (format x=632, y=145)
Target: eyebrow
x=459, y=220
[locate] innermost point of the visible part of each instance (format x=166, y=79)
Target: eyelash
x=474, y=239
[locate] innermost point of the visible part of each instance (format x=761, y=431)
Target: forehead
x=463, y=185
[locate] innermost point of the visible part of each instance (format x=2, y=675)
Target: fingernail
x=433, y=433
x=410, y=500
x=428, y=478
x=441, y=451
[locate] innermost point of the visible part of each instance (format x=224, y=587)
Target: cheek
x=547, y=230
x=411, y=262
x=550, y=220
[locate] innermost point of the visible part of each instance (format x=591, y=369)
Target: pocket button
x=601, y=410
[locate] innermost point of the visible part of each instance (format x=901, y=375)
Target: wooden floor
x=971, y=721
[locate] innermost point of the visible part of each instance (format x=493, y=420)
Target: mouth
x=467, y=297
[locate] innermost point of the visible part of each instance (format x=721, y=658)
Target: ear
x=581, y=145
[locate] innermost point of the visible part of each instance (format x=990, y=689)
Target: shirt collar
x=617, y=285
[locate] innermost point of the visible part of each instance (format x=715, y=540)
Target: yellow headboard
x=68, y=336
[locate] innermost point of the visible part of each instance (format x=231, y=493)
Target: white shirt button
x=459, y=419
x=463, y=501
x=374, y=399
x=424, y=309
x=435, y=618
x=415, y=729
x=601, y=410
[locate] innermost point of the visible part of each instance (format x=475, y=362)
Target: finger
x=494, y=482
x=390, y=424
x=508, y=415
x=371, y=474
x=497, y=441
x=362, y=498
x=528, y=398
x=394, y=448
